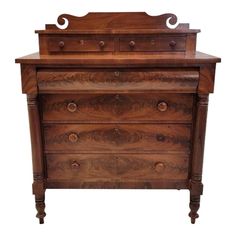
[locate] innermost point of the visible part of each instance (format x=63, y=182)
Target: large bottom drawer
x=115, y=167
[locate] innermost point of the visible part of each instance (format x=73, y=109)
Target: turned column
x=29, y=87
x=196, y=186
x=37, y=156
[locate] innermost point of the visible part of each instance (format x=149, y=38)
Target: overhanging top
x=118, y=60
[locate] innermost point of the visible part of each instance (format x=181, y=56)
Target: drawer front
x=152, y=44
x=117, y=80
x=80, y=44
x=89, y=167
x=170, y=44
x=117, y=107
x=138, y=44
x=116, y=138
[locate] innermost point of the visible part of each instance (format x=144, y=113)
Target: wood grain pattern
x=207, y=79
x=118, y=20
x=121, y=26
x=196, y=186
x=28, y=79
x=118, y=100
x=117, y=137
x=100, y=80
x=117, y=184
x=37, y=156
x=115, y=167
x=117, y=107
x=124, y=60
x=152, y=44
x=80, y=44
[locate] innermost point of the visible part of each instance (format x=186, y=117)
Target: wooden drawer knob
x=116, y=73
x=72, y=107
x=101, y=44
x=117, y=130
x=61, y=44
x=172, y=44
x=132, y=44
x=73, y=137
x=159, y=167
x=162, y=106
x=75, y=165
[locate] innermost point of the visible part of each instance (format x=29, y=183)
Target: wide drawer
x=152, y=44
x=62, y=81
x=131, y=167
x=79, y=44
x=117, y=107
x=117, y=137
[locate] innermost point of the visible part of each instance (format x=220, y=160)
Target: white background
x=117, y=212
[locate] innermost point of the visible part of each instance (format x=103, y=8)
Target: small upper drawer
x=169, y=43
x=138, y=44
x=152, y=44
x=79, y=44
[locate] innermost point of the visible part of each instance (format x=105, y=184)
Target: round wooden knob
x=61, y=44
x=162, y=106
x=75, y=165
x=159, y=167
x=132, y=44
x=172, y=44
x=72, y=107
x=101, y=44
x=73, y=137
x=117, y=73
x=117, y=130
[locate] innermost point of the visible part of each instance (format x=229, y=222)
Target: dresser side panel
x=29, y=79
x=207, y=79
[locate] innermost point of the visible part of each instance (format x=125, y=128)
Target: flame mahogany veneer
x=117, y=100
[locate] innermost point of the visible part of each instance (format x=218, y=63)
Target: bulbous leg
x=40, y=206
x=194, y=206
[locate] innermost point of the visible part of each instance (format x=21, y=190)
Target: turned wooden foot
x=194, y=206
x=40, y=206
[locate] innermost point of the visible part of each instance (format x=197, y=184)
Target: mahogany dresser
x=117, y=100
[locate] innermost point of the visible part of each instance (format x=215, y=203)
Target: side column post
x=195, y=185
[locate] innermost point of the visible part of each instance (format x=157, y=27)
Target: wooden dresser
x=117, y=100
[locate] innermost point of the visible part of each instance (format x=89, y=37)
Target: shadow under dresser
x=117, y=100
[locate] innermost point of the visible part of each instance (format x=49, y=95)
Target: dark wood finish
x=117, y=107
x=153, y=44
x=37, y=156
x=120, y=184
x=207, y=77
x=117, y=138
x=116, y=167
x=80, y=44
x=117, y=80
x=119, y=20
x=196, y=186
x=124, y=60
x=118, y=100
x=28, y=79
x=118, y=24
